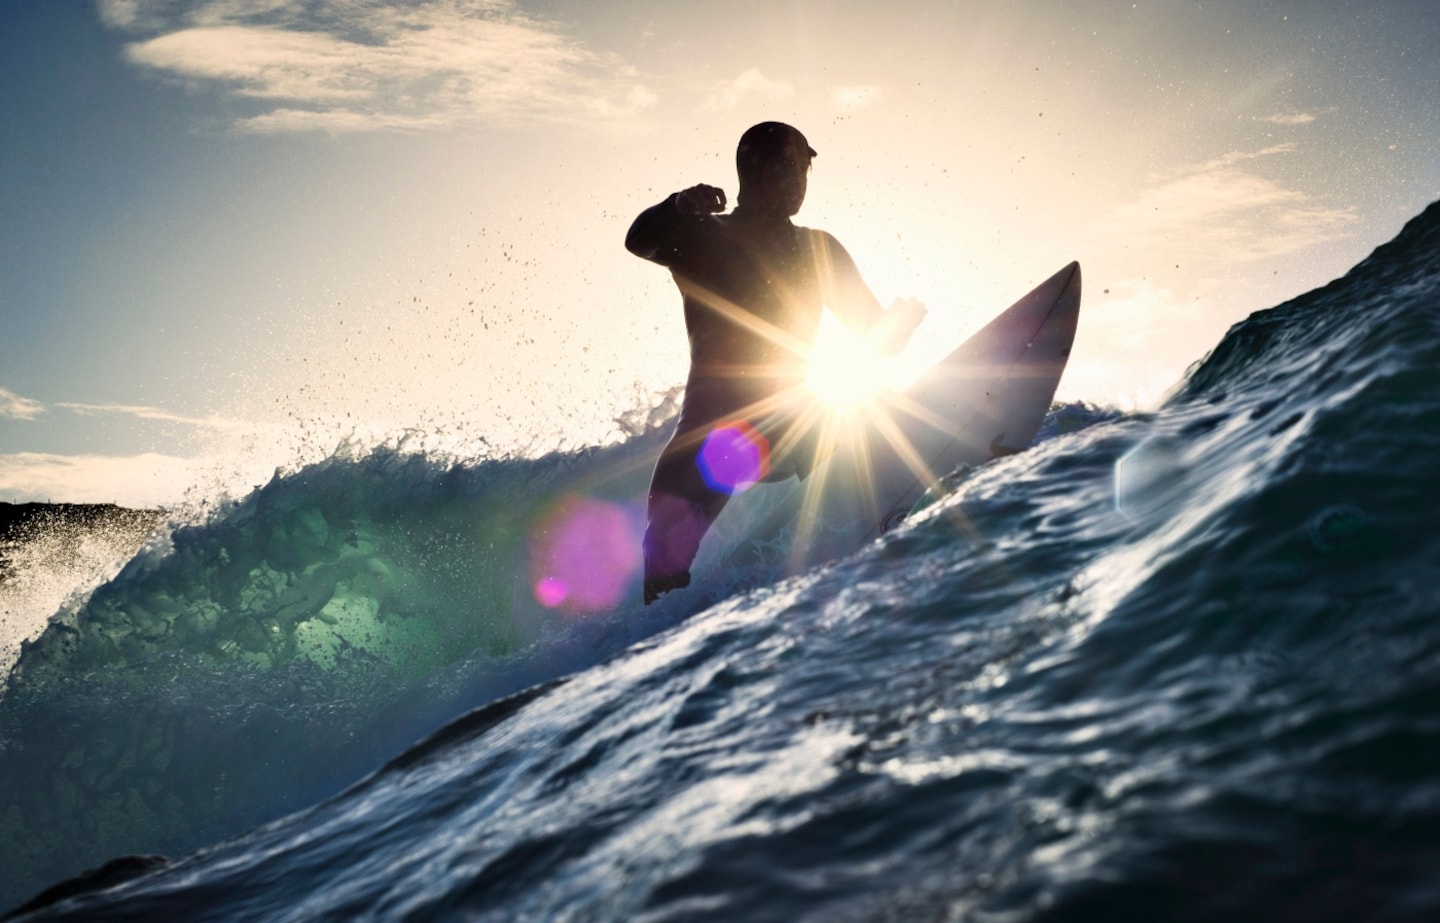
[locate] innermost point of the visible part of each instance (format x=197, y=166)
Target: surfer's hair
x=763, y=142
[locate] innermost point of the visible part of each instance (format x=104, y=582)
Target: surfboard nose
x=1072, y=287
x=1063, y=288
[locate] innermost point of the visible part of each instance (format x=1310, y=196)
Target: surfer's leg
x=681, y=508
x=794, y=446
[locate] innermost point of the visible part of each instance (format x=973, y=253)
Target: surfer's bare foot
x=655, y=587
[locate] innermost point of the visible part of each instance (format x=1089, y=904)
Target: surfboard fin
x=999, y=450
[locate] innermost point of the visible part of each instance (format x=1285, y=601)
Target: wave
x=247, y=665
x=1176, y=665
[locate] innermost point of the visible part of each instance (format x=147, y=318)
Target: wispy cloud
x=1226, y=211
x=749, y=86
x=15, y=407
x=853, y=97
x=364, y=65
x=1289, y=118
x=141, y=412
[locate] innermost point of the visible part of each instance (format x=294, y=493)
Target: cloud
x=1136, y=339
x=853, y=97
x=15, y=407
x=750, y=85
x=1226, y=213
x=1291, y=118
x=142, y=412
x=147, y=480
x=363, y=65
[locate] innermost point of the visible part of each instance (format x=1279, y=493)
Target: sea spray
x=52, y=556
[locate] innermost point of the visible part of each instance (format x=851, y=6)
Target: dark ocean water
x=1181, y=665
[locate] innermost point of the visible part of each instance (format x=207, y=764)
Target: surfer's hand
x=904, y=315
x=908, y=312
x=700, y=200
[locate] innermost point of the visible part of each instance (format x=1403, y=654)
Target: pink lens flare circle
x=734, y=457
x=584, y=555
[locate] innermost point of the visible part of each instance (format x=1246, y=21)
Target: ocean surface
x=1175, y=665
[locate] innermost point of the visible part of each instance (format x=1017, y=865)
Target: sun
x=844, y=371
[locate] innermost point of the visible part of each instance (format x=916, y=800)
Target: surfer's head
x=773, y=160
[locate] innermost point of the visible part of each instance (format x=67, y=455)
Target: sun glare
x=845, y=372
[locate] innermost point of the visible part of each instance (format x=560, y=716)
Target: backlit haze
x=234, y=233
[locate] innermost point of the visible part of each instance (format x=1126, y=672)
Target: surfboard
x=984, y=400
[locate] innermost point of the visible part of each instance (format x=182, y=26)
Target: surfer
x=754, y=286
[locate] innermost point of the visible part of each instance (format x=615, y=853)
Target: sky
x=234, y=235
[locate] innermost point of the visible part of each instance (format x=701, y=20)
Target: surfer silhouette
x=754, y=287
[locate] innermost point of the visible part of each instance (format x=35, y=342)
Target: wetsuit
x=754, y=288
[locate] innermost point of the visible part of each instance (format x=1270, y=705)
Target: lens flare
x=584, y=555
x=551, y=591
x=734, y=457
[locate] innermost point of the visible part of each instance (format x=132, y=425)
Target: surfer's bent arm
x=857, y=307
x=656, y=233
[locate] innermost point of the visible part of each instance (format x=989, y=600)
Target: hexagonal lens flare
x=734, y=457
